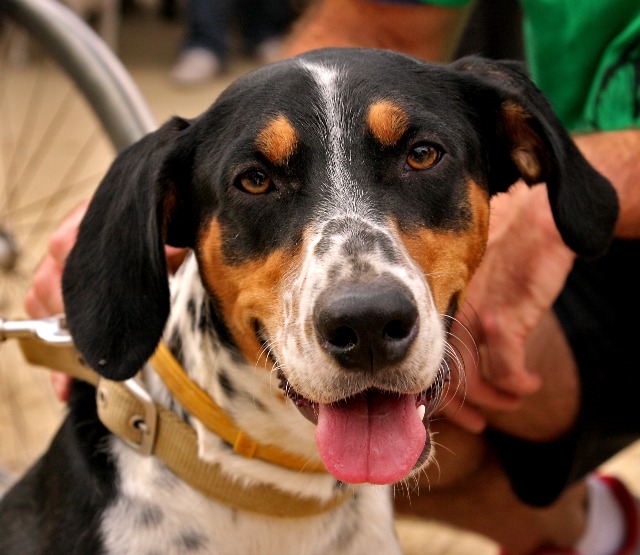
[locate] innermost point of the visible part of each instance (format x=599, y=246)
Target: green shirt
x=585, y=56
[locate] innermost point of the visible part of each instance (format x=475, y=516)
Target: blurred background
x=58, y=146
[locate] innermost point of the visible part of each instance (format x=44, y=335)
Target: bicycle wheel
x=71, y=100
x=71, y=94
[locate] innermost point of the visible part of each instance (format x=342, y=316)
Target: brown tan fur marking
x=387, y=122
x=277, y=140
x=245, y=292
x=449, y=259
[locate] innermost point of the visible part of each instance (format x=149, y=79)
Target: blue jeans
x=209, y=23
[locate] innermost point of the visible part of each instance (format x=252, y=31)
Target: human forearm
x=428, y=32
x=616, y=154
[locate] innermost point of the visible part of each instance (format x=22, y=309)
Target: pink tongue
x=375, y=438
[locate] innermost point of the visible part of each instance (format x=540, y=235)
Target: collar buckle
x=146, y=423
x=130, y=414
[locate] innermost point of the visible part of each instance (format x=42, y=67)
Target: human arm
x=616, y=155
x=426, y=31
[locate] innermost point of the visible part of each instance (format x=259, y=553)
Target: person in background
x=205, y=49
x=551, y=389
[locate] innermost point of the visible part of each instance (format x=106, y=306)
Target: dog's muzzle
x=378, y=434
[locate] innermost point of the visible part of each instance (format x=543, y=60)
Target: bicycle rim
x=66, y=107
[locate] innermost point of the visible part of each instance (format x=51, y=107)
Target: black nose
x=366, y=326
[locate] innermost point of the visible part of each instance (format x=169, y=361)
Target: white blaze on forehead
x=348, y=197
x=350, y=226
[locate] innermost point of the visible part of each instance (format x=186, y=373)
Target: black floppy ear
x=115, y=282
x=533, y=144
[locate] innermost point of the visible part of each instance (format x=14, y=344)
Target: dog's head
x=338, y=204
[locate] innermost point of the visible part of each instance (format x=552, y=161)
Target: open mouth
x=425, y=402
x=375, y=436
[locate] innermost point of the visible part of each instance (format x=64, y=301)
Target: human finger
x=504, y=366
x=61, y=383
x=468, y=367
x=65, y=235
x=44, y=297
x=464, y=415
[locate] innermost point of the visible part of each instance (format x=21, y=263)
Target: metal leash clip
x=47, y=342
x=51, y=330
x=125, y=408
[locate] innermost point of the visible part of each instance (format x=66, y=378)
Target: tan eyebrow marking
x=278, y=140
x=387, y=121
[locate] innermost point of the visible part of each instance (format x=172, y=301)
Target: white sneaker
x=195, y=66
x=269, y=50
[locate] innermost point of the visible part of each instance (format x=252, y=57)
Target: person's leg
x=263, y=24
x=208, y=24
x=484, y=502
x=205, y=49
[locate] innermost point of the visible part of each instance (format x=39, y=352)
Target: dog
x=336, y=205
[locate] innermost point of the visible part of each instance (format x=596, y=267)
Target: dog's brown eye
x=255, y=182
x=423, y=156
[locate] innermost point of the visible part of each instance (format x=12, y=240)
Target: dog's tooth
x=421, y=410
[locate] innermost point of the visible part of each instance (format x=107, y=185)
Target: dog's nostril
x=397, y=330
x=343, y=337
x=366, y=326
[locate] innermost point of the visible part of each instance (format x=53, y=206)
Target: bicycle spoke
x=41, y=118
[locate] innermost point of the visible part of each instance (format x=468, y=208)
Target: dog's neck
x=248, y=393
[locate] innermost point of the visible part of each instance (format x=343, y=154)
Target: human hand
x=523, y=271
x=44, y=297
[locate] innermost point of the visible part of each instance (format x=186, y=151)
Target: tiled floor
x=30, y=413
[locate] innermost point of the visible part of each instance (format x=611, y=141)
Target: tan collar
x=147, y=425
x=127, y=410
x=203, y=407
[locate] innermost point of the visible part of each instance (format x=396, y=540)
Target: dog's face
x=349, y=214
x=338, y=204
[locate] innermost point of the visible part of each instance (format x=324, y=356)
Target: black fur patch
x=149, y=516
x=56, y=507
x=193, y=314
x=191, y=541
x=226, y=385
